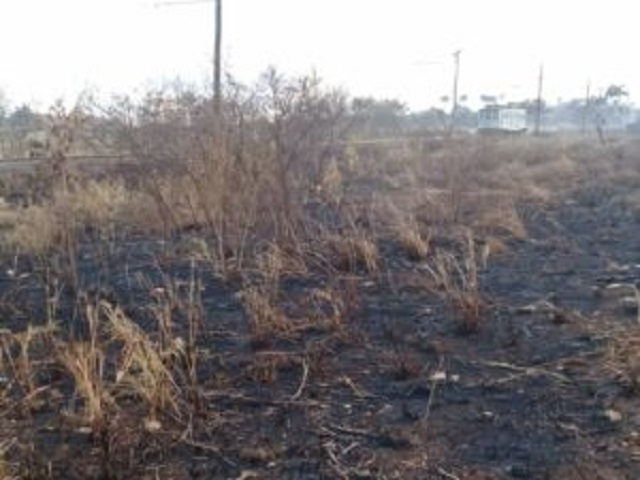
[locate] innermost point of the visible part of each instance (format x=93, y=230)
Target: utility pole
x=587, y=107
x=217, y=61
x=217, y=46
x=539, y=101
x=456, y=78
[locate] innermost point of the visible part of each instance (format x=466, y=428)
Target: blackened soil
x=395, y=391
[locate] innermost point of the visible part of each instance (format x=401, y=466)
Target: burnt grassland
x=268, y=298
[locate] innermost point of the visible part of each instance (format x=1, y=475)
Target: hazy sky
x=401, y=49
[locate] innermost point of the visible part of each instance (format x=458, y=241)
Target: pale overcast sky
x=401, y=49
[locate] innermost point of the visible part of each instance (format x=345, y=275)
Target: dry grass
x=266, y=200
x=17, y=362
x=350, y=252
x=144, y=366
x=85, y=362
x=96, y=207
x=500, y=217
x=490, y=247
x=455, y=278
x=413, y=243
x=5, y=446
x=329, y=307
x=36, y=231
x=265, y=318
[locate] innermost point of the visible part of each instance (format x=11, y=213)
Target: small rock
x=247, y=474
x=84, y=430
x=612, y=415
x=541, y=306
x=616, y=267
x=152, y=425
x=487, y=415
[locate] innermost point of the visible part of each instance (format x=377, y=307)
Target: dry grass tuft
x=327, y=308
x=413, y=244
x=96, y=207
x=85, y=362
x=16, y=359
x=265, y=318
x=144, y=366
x=36, y=231
x=349, y=253
x=491, y=247
x=501, y=217
x=455, y=278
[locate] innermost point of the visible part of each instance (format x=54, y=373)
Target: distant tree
x=609, y=111
x=615, y=92
x=4, y=107
x=429, y=120
x=23, y=118
x=377, y=117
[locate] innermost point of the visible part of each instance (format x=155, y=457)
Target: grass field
x=269, y=300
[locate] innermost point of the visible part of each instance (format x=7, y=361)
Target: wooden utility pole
x=217, y=61
x=587, y=107
x=217, y=46
x=539, y=101
x=456, y=78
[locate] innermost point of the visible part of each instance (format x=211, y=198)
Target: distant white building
x=497, y=118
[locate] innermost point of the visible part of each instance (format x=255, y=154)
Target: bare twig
x=211, y=449
x=524, y=371
x=446, y=474
x=303, y=382
x=432, y=394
